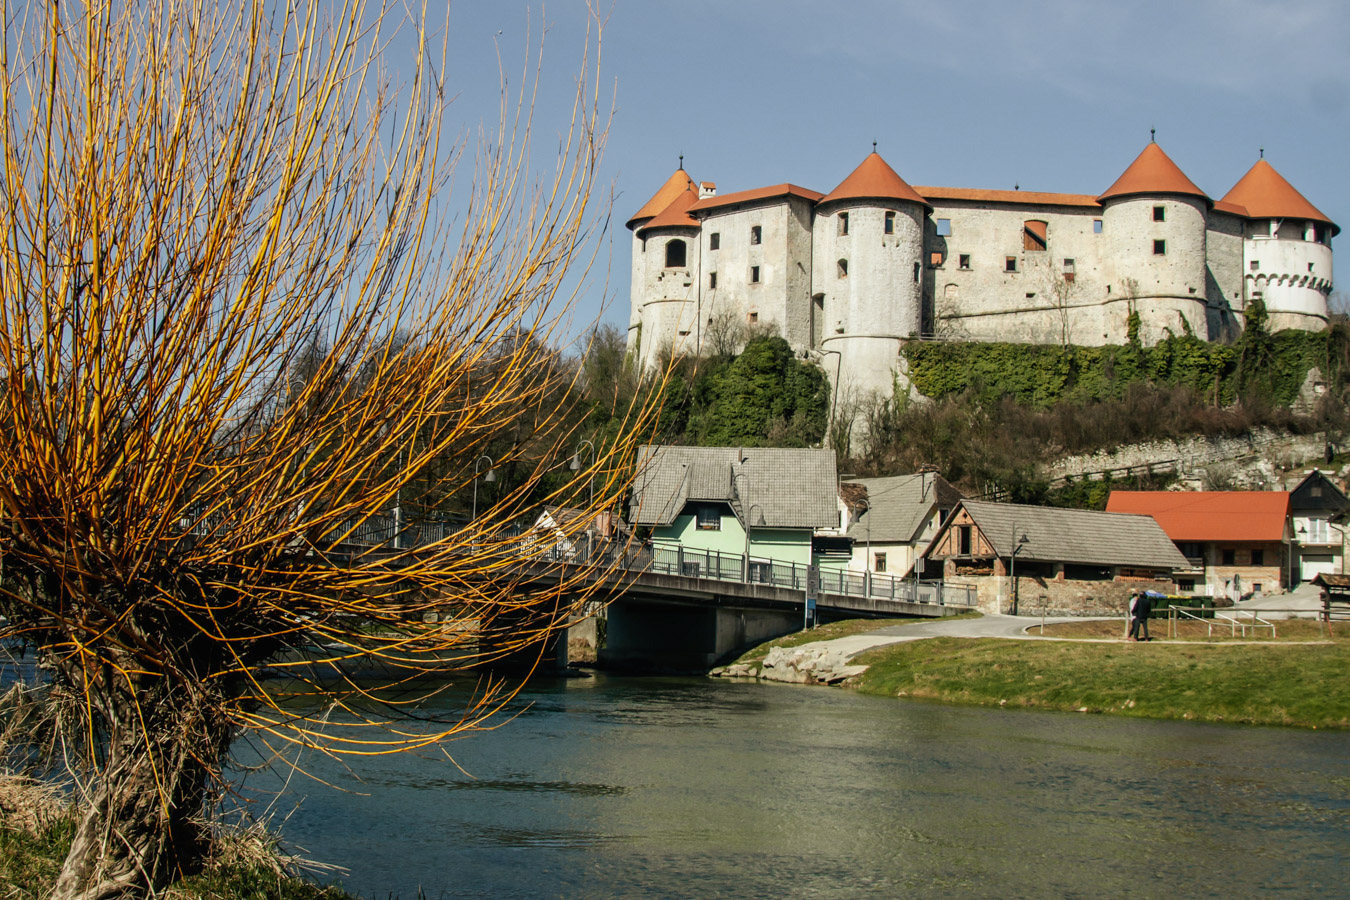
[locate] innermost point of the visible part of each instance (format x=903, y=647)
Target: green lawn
x=842, y=628
x=1263, y=684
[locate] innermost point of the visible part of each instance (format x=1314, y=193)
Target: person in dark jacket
x=1140, y=609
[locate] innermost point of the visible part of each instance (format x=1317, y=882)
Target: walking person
x=1143, y=608
x=1129, y=612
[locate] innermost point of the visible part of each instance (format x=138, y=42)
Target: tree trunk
x=140, y=826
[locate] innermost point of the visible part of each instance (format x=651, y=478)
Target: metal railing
x=1234, y=620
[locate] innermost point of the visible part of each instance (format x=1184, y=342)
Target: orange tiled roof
x=676, y=215
x=674, y=186
x=1209, y=515
x=1230, y=207
x=874, y=179
x=764, y=193
x=1153, y=172
x=1021, y=198
x=1265, y=194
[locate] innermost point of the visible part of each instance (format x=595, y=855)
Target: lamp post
x=575, y=466
x=1012, y=567
x=867, y=560
x=749, y=510
x=490, y=477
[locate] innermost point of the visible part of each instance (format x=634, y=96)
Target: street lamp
x=1012, y=566
x=867, y=560
x=490, y=477
x=749, y=510
x=575, y=466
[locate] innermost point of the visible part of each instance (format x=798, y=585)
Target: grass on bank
x=1286, y=631
x=832, y=630
x=1261, y=684
x=36, y=827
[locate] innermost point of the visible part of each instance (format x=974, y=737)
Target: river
x=615, y=787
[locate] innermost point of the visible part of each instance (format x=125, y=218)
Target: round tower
x=656, y=305
x=1154, y=221
x=868, y=269
x=1286, y=249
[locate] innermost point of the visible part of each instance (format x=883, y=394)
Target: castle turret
x=868, y=268
x=1154, y=223
x=1286, y=249
x=675, y=186
x=670, y=255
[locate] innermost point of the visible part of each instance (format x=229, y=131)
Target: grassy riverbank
x=1262, y=684
x=35, y=834
x=829, y=632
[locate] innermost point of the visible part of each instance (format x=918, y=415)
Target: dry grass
x=27, y=804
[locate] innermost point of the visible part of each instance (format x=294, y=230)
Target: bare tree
x=238, y=326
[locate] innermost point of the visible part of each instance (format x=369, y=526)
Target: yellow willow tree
x=241, y=324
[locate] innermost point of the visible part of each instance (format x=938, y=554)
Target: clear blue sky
x=1055, y=96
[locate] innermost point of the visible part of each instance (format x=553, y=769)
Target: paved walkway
x=988, y=625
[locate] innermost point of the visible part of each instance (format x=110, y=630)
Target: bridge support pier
x=686, y=637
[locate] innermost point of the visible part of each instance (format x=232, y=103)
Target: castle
x=847, y=276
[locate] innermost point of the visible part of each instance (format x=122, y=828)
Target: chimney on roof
x=707, y=189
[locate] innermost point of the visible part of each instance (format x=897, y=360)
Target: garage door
x=1314, y=564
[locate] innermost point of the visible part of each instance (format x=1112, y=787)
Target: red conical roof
x=1265, y=194
x=874, y=179
x=1153, y=172
x=674, y=186
x=676, y=215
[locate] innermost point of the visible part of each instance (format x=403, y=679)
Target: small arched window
x=843, y=268
x=675, y=254
x=1033, y=235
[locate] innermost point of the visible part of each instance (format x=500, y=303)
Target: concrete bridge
x=674, y=608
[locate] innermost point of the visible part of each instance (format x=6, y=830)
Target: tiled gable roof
x=754, y=195
x=788, y=488
x=676, y=215
x=874, y=179
x=1209, y=515
x=898, y=506
x=1078, y=536
x=1153, y=172
x=674, y=186
x=1264, y=194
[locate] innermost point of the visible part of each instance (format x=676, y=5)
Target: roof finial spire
x=1263, y=152
x=1153, y=135
x=681, y=162
x=874, y=146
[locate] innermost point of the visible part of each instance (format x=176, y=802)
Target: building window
x=755, y=234
x=754, y=274
x=890, y=223
x=1159, y=247
x=1229, y=557
x=936, y=259
x=715, y=241
x=1159, y=213
x=1069, y=270
x=916, y=273
x=1258, y=558
x=1255, y=265
x=963, y=541
x=1096, y=226
x=842, y=270
x=709, y=518
x=1033, y=235
x=964, y=260
x=843, y=223
x=752, y=318
x=1010, y=264
x=944, y=227
x=675, y=254
x=712, y=281
x=878, y=562
x=1318, y=532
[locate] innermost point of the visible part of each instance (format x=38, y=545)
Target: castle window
x=1159, y=213
x=1159, y=247
x=842, y=271
x=1096, y=226
x=1255, y=265
x=1010, y=264
x=755, y=234
x=754, y=274
x=890, y=223
x=1310, y=265
x=712, y=281
x=715, y=241
x=752, y=318
x=964, y=260
x=675, y=254
x=843, y=223
x=1033, y=235
x=1319, y=233
x=936, y=259
x=916, y=273
x=944, y=227
x=1069, y=270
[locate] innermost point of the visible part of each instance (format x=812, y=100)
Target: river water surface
x=610, y=787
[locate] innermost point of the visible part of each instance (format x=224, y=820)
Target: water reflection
x=612, y=787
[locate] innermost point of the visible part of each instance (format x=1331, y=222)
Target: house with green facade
x=726, y=503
